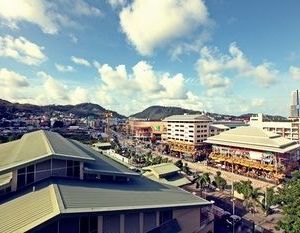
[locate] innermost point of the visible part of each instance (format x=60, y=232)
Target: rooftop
x=194, y=117
x=27, y=210
x=40, y=145
x=163, y=168
x=36, y=146
x=254, y=138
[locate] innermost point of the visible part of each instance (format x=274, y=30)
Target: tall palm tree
x=202, y=181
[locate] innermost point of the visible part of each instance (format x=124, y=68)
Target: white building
x=192, y=129
x=288, y=129
x=295, y=105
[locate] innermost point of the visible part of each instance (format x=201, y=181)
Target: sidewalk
x=228, y=176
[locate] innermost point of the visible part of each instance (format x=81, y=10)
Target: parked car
x=231, y=219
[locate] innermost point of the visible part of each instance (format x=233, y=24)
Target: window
x=88, y=224
x=165, y=216
x=76, y=169
x=70, y=168
x=21, y=178
x=30, y=174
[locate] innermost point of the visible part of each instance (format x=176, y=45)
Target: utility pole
x=233, y=208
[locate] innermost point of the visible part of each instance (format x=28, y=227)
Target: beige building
x=288, y=129
x=49, y=183
x=186, y=133
x=145, y=130
x=254, y=152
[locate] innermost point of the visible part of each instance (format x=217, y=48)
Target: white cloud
x=48, y=15
x=149, y=24
x=10, y=78
x=257, y=102
x=63, y=68
x=117, y=3
x=21, y=50
x=33, y=11
x=79, y=95
x=141, y=87
x=56, y=91
x=80, y=61
x=73, y=38
x=212, y=67
x=81, y=7
x=294, y=72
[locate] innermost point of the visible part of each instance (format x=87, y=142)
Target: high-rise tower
x=294, y=107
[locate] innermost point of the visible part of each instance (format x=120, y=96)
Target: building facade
x=186, y=133
x=254, y=152
x=289, y=129
x=145, y=130
x=295, y=105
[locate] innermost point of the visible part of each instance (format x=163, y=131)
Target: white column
x=157, y=218
x=81, y=170
x=141, y=222
x=122, y=223
x=100, y=224
x=14, y=180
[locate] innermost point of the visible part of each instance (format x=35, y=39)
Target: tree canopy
x=289, y=196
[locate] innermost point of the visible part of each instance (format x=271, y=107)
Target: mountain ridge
x=157, y=112
x=8, y=109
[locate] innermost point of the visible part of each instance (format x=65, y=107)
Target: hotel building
x=186, y=133
x=288, y=129
x=254, y=152
x=52, y=184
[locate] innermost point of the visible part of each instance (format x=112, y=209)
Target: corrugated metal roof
x=162, y=168
x=35, y=146
x=5, y=179
x=194, y=117
x=177, y=180
x=253, y=138
x=29, y=210
x=142, y=193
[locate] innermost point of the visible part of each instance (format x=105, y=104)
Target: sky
x=223, y=56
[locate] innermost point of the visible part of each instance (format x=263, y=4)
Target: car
x=232, y=220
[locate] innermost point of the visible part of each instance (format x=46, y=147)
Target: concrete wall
x=188, y=219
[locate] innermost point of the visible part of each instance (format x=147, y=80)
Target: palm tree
x=251, y=195
x=219, y=181
x=202, y=181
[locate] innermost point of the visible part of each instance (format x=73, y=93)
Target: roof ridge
x=49, y=146
x=54, y=197
x=58, y=198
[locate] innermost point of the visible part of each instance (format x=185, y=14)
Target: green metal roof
x=176, y=180
x=28, y=211
x=162, y=168
x=142, y=193
x=36, y=146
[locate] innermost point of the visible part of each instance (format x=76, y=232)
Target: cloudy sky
x=225, y=56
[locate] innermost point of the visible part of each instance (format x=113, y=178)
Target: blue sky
x=225, y=56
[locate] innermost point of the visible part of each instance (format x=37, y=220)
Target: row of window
x=110, y=223
x=52, y=167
